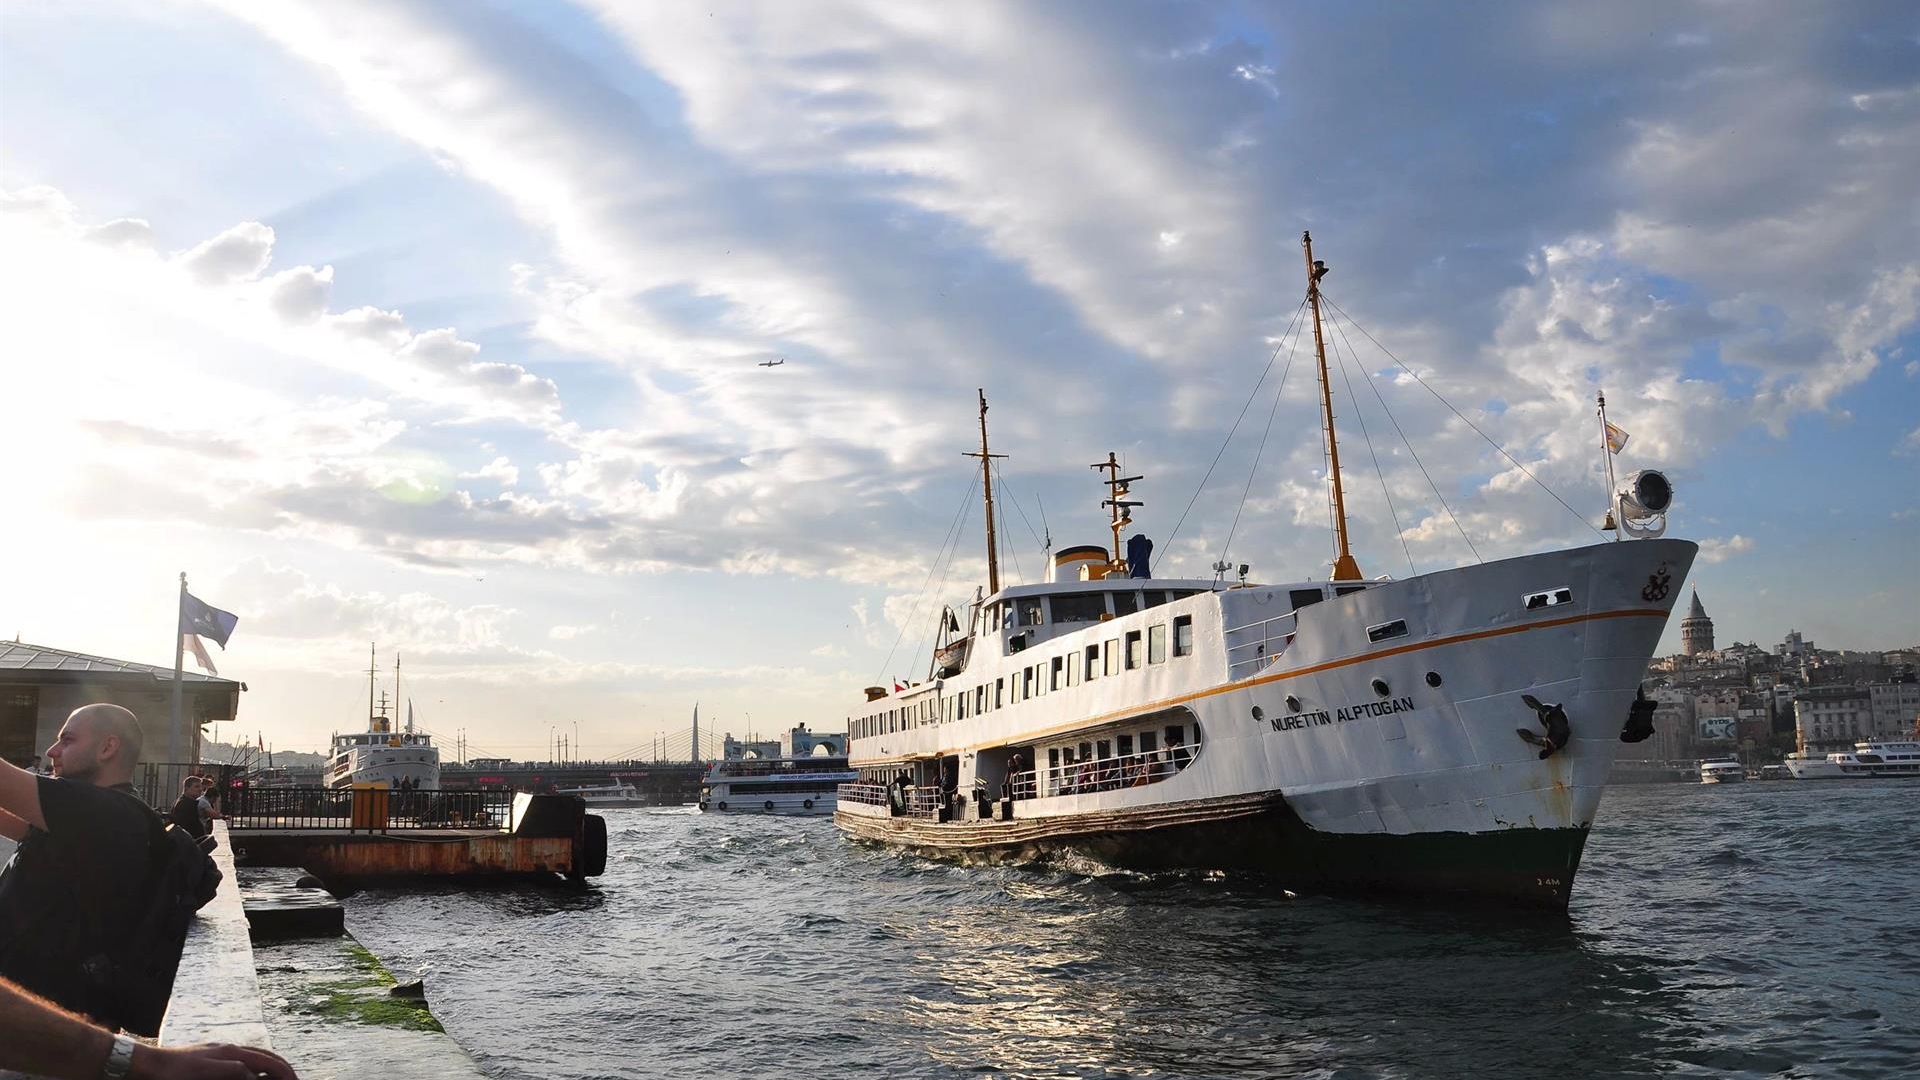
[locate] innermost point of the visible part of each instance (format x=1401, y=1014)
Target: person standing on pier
x=186, y=809
x=83, y=874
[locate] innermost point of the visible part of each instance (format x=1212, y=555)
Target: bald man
x=82, y=874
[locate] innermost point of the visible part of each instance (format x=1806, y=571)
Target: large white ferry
x=1869, y=759
x=383, y=754
x=1449, y=732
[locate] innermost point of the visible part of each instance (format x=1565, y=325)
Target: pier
x=349, y=837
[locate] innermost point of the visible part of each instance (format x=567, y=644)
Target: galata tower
x=1696, y=630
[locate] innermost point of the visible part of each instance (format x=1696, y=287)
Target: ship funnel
x=1069, y=562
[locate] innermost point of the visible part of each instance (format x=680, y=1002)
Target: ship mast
x=1344, y=568
x=1119, y=508
x=373, y=672
x=986, y=485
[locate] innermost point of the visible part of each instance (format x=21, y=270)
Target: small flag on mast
x=1616, y=438
x=200, y=619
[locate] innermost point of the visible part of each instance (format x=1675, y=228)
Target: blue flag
x=204, y=620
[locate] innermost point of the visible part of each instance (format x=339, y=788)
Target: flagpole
x=1606, y=455
x=179, y=662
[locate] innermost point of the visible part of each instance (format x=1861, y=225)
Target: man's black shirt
x=74, y=888
x=186, y=814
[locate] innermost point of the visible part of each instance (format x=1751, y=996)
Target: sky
x=439, y=325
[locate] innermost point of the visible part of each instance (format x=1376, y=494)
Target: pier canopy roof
x=41, y=663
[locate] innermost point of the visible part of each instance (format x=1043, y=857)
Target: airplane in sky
x=773, y=363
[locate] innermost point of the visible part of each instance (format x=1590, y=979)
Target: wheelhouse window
x=1305, y=597
x=1183, y=635
x=1154, y=597
x=1030, y=613
x=1079, y=607
x=1125, y=603
x=1157, y=643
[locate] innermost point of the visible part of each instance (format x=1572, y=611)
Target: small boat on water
x=1774, y=772
x=1722, y=771
x=383, y=754
x=1447, y=733
x=614, y=793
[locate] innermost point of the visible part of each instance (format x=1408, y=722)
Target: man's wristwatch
x=120, y=1058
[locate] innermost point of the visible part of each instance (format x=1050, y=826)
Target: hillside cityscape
x=1760, y=704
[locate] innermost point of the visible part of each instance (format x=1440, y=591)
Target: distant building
x=803, y=743
x=39, y=686
x=1832, y=717
x=1794, y=646
x=1895, y=706
x=1696, y=630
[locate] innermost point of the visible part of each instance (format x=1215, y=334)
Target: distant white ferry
x=1869, y=759
x=1722, y=771
x=381, y=754
x=803, y=785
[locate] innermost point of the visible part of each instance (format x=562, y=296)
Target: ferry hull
x=1266, y=839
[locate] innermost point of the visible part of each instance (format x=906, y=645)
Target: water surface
x=1753, y=930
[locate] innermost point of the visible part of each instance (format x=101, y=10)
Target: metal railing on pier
x=366, y=810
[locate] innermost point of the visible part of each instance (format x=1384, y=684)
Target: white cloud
x=1716, y=550
x=499, y=470
x=239, y=254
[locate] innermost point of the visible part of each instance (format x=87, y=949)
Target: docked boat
x=1722, y=771
x=614, y=793
x=1868, y=760
x=384, y=754
x=783, y=785
x=1774, y=772
x=1450, y=732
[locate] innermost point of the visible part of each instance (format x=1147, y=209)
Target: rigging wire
x=1255, y=392
x=1011, y=551
x=941, y=585
x=1476, y=429
x=952, y=539
x=1371, y=452
x=1395, y=421
x=1254, y=469
x=1043, y=545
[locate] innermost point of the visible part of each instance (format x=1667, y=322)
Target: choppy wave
x=1747, y=930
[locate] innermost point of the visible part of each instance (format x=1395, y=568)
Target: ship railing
x=912, y=801
x=367, y=810
x=1261, y=643
x=1138, y=769
x=864, y=792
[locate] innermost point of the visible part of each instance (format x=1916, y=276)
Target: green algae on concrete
x=364, y=998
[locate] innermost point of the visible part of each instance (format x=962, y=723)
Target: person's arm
x=38, y=1038
x=12, y=827
x=20, y=795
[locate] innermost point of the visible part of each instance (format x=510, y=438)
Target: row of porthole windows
x=1132, y=651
